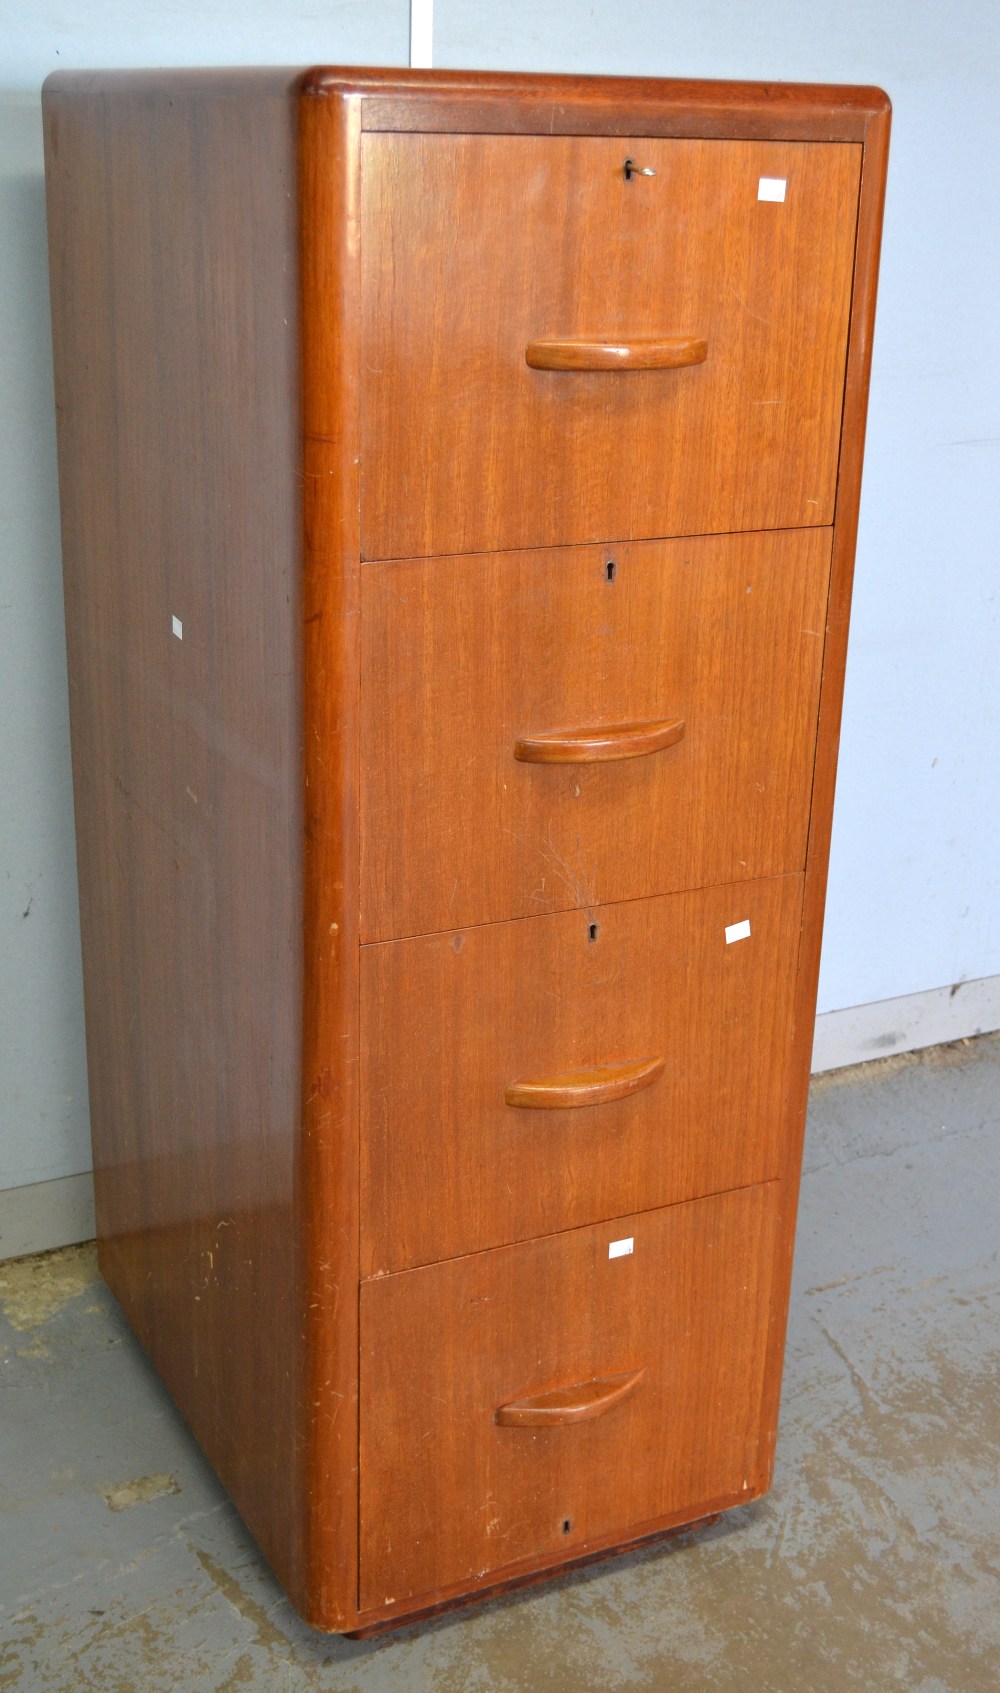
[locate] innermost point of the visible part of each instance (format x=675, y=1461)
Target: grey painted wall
x=914, y=898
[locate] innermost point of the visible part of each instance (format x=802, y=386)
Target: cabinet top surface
x=393, y=98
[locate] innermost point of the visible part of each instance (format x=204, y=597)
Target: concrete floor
x=873, y=1564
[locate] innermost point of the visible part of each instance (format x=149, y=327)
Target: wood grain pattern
x=563, y=1405
x=449, y=1020
x=595, y=1084
x=460, y=1598
x=329, y=1198
x=535, y=458
x=593, y=746
x=461, y=657
x=639, y=353
x=177, y=407
x=484, y=102
x=447, y=1495
x=234, y=354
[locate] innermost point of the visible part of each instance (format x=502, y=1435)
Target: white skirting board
x=886, y=1026
x=45, y=1215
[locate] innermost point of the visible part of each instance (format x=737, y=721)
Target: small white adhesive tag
x=178, y=627
x=771, y=188
x=738, y=931
x=621, y=1248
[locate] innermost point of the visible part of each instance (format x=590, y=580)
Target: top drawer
x=475, y=247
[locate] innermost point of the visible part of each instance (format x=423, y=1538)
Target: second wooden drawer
x=470, y=666
x=478, y=1048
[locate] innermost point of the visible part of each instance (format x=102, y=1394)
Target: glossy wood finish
x=747, y=440
x=724, y=634
x=449, y=1166
x=639, y=353
x=563, y=1405
x=593, y=746
x=448, y=1496
x=596, y=1084
x=485, y=102
x=179, y=481
x=279, y=1109
x=463, y=1599
x=329, y=1198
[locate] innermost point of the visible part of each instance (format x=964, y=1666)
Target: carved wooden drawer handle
x=593, y=746
x=660, y=352
x=595, y=1085
x=570, y=1404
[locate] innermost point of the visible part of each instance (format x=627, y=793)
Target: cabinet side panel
x=175, y=304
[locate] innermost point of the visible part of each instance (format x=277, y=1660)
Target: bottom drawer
x=519, y=1403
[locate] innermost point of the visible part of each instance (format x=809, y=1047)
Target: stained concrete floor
x=873, y=1564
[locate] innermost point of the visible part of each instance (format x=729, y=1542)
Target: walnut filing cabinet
x=459, y=481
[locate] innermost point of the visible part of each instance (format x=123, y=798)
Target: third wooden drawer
x=530, y=1076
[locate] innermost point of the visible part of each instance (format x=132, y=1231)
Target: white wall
x=914, y=885
x=43, y=1105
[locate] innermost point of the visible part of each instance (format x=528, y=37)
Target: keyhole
x=567, y=1524
x=592, y=932
x=609, y=569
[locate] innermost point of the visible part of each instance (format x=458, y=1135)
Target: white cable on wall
x=421, y=34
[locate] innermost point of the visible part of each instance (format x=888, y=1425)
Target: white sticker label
x=738, y=931
x=771, y=188
x=177, y=627
x=620, y=1248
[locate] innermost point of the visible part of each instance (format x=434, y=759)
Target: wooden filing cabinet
x=459, y=478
